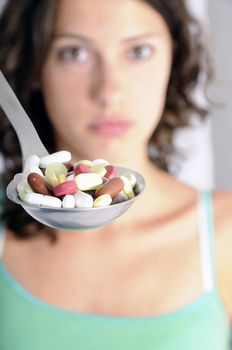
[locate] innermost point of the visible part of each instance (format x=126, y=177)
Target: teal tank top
x=28, y=323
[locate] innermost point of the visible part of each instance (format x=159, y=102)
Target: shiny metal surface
x=77, y=218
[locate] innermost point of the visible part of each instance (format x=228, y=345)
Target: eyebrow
x=91, y=41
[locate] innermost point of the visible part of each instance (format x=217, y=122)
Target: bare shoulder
x=222, y=204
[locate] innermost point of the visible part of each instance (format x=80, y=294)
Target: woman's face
x=105, y=78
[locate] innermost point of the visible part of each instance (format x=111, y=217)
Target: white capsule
x=50, y=201
x=127, y=189
x=23, y=188
x=131, y=177
x=101, y=162
x=71, y=177
x=68, y=201
x=34, y=169
x=88, y=181
x=83, y=200
x=102, y=201
x=47, y=160
x=60, y=157
x=33, y=198
x=33, y=160
x=63, y=156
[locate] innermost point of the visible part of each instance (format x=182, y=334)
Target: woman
x=114, y=80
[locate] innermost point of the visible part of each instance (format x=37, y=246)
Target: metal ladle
x=30, y=143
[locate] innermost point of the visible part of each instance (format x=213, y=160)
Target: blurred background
x=208, y=162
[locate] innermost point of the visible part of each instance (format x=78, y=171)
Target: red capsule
x=68, y=187
x=111, y=172
x=82, y=169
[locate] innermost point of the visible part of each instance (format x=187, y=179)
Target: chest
x=155, y=279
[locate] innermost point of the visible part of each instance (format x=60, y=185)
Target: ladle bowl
x=77, y=218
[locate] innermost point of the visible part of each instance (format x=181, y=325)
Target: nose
x=107, y=87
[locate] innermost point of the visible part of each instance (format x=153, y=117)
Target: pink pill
x=68, y=187
x=111, y=171
x=82, y=169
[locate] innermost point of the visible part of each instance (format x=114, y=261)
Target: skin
x=116, y=64
x=137, y=255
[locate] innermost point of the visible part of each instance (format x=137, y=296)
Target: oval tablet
x=68, y=201
x=23, y=188
x=38, y=183
x=83, y=200
x=67, y=187
x=102, y=201
x=127, y=189
x=99, y=169
x=55, y=174
x=111, y=187
x=60, y=156
x=33, y=160
x=33, y=198
x=82, y=169
x=88, y=181
x=111, y=171
x=50, y=201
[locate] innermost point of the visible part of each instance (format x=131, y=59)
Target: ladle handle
x=29, y=140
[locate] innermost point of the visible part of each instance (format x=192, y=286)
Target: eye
x=76, y=54
x=141, y=52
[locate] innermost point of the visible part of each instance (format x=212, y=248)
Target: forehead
x=102, y=18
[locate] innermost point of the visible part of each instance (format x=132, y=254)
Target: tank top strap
x=206, y=233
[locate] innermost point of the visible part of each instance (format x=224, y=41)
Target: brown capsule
x=38, y=183
x=111, y=187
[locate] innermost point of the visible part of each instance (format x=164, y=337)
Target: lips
x=111, y=127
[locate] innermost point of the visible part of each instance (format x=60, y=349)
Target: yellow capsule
x=102, y=201
x=99, y=169
x=127, y=189
x=55, y=174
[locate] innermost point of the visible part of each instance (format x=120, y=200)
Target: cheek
x=63, y=93
x=149, y=97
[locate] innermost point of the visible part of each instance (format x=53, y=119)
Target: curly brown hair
x=26, y=34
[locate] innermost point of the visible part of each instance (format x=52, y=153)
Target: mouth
x=110, y=127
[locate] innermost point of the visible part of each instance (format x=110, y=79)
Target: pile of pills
x=53, y=181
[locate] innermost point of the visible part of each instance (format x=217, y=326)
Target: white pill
x=60, y=157
x=131, y=177
x=127, y=189
x=50, y=201
x=33, y=160
x=34, y=169
x=88, y=181
x=68, y=201
x=46, y=160
x=63, y=156
x=102, y=201
x=23, y=188
x=83, y=200
x=71, y=177
x=99, y=169
x=33, y=198
x=101, y=162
